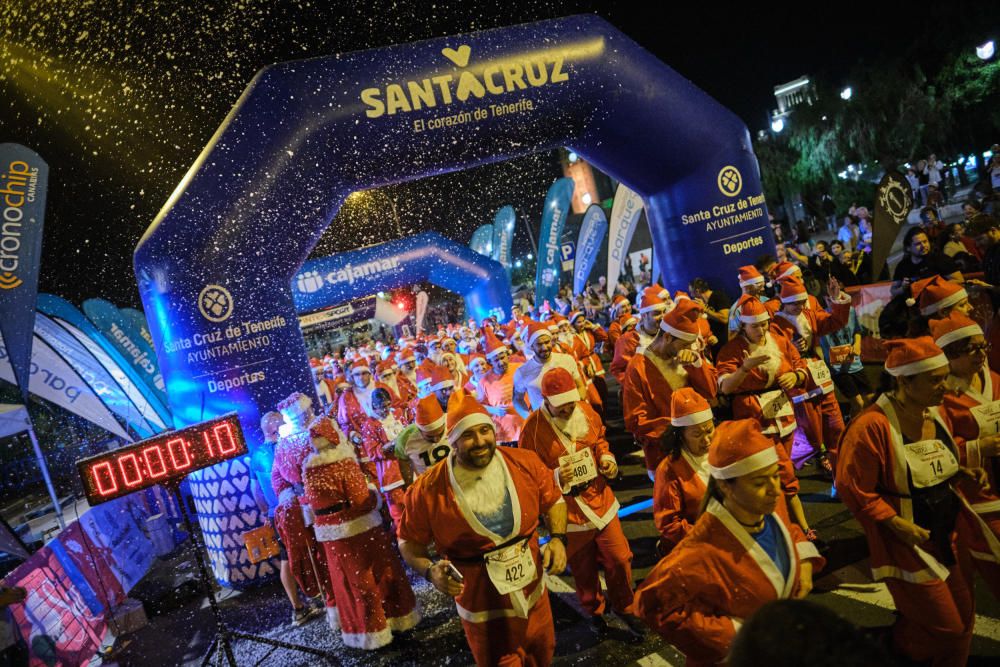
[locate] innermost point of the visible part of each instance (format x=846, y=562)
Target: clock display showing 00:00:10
x=161, y=459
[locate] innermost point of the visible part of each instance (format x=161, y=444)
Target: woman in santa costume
x=665, y=366
x=682, y=475
x=759, y=370
x=373, y=594
x=355, y=405
x=651, y=309
x=401, y=390
x=817, y=410
x=496, y=391
x=972, y=405
x=935, y=298
x=620, y=311
x=742, y=552
x=568, y=436
x=306, y=558
x=898, y=467
x=480, y=508
x=379, y=430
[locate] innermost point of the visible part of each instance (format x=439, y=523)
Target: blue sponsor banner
x=138, y=321
x=24, y=178
x=482, y=240
x=503, y=235
x=549, y=265
x=592, y=232
x=109, y=320
x=106, y=353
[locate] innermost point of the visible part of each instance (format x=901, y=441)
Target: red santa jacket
x=595, y=506
x=646, y=394
x=745, y=401
x=495, y=390
x=385, y=468
x=436, y=511
x=333, y=480
x=615, y=329
x=678, y=488
x=588, y=346
x=286, y=473
x=698, y=596
x=626, y=347
x=818, y=322
x=872, y=481
x=351, y=415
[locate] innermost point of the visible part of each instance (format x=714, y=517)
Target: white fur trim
x=331, y=532
x=917, y=367
x=286, y=496
x=751, y=319
x=494, y=352
x=959, y=334
x=790, y=271
x=358, y=367
x=799, y=296
x=570, y=396
x=333, y=618
x=693, y=418
x=541, y=332
x=404, y=623
x=467, y=422
x=341, y=452
x=806, y=550
x=949, y=300
x=367, y=640
x=655, y=306
x=759, y=280
x=677, y=333
x=434, y=425
x=746, y=465
x=443, y=384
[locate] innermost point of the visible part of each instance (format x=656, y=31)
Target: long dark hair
x=674, y=442
x=712, y=491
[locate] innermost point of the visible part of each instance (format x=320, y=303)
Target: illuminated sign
x=163, y=458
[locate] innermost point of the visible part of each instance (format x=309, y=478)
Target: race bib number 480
x=582, y=464
x=511, y=568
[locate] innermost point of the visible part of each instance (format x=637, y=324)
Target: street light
x=517, y=264
x=530, y=257
x=846, y=93
x=777, y=125
x=985, y=51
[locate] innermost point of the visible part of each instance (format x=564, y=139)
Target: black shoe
x=598, y=626
x=634, y=624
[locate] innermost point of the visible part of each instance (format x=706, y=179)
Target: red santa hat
x=751, y=310
x=441, y=378
x=424, y=373
x=315, y=363
x=324, y=428
x=682, y=321
x=385, y=367
x=688, y=407
x=429, y=415
x=630, y=323
x=659, y=290
x=618, y=302
x=559, y=387
x=793, y=290
x=681, y=295
x=463, y=414
x=749, y=275
x=340, y=382
x=955, y=327
x=477, y=360
x=296, y=403
x=537, y=330
x=739, y=448
x=782, y=270
x=912, y=356
x=493, y=345
x=361, y=366
x=935, y=293
x=575, y=314
x=651, y=300
x=405, y=356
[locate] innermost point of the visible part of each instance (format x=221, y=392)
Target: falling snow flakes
x=82, y=36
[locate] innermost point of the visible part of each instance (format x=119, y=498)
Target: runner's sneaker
x=305, y=614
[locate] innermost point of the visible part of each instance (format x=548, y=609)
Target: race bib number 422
x=511, y=568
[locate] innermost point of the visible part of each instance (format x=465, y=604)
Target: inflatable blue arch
x=481, y=282
x=214, y=269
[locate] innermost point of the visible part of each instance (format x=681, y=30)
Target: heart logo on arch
x=459, y=56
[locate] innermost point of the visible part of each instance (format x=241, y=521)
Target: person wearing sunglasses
x=972, y=403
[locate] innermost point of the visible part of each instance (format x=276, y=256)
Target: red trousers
x=374, y=597
x=970, y=537
x=512, y=641
x=822, y=422
x=590, y=550
x=786, y=469
x=653, y=454
x=936, y=617
x=300, y=542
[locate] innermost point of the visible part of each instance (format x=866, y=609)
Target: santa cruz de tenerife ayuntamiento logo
x=730, y=181
x=215, y=303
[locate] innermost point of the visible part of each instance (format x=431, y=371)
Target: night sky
x=120, y=102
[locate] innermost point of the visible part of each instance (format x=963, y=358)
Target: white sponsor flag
x=54, y=380
x=624, y=216
x=422, y=300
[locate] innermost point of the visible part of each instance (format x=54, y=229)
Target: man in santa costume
x=398, y=387
x=355, y=404
x=682, y=475
x=568, y=436
x=496, y=391
x=742, y=553
x=306, y=558
x=528, y=377
x=668, y=364
x=817, y=411
x=407, y=362
x=620, y=311
x=373, y=594
x=441, y=385
x=382, y=428
x=423, y=443
x=651, y=309
x=752, y=283
x=480, y=509
x=782, y=271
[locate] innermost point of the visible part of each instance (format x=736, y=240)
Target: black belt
x=479, y=558
x=579, y=488
x=332, y=509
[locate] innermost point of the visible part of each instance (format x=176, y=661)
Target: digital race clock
x=160, y=459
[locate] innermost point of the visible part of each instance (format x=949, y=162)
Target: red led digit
x=155, y=468
x=130, y=460
x=208, y=444
x=105, y=467
x=183, y=446
x=227, y=443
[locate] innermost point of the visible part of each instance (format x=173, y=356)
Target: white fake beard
x=575, y=427
x=486, y=496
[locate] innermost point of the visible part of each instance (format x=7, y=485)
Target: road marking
x=986, y=626
x=654, y=660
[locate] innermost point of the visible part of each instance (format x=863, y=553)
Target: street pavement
x=181, y=626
